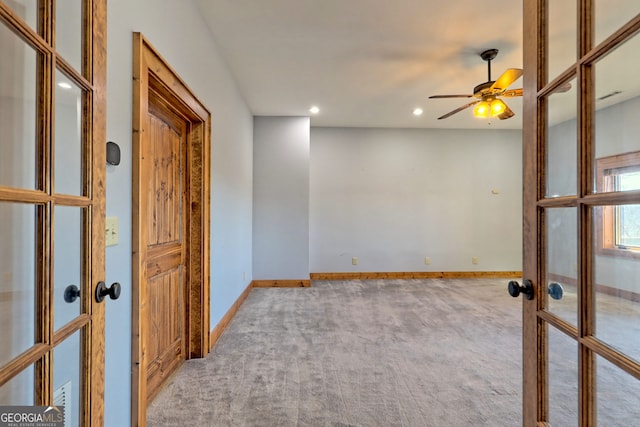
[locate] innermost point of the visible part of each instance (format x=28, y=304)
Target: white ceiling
x=367, y=63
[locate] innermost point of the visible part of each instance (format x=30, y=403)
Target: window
x=619, y=227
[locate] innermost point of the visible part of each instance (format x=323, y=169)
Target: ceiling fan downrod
x=488, y=55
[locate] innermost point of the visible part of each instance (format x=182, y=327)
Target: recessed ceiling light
x=64, y=85
x=417, y=112
x=314, y=110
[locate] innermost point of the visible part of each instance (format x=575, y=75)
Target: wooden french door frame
x=91, y=79
x=533, y=344
x=150, y=69
x=536, y=319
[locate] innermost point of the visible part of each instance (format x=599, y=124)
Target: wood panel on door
x=165, y=243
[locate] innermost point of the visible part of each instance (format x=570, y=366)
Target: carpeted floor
x=364, y=353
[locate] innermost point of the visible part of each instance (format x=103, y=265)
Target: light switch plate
x=111, y=236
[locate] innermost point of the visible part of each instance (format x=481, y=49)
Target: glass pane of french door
x=563, y=379
x=611, y=15
x=27, y=10
x=68, y=136
x=562, y=141
x=617, y=395
x=18, y=267
x=69, y=31
x=617, y=292
x=67, y=377
x=68, y=267
x=562, y=262
x=562, y=30
x=18, y=110
x=616, y=124
x=19, y=390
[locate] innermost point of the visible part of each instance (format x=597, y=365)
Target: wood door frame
x=151, y=69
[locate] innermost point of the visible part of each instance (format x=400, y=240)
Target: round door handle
x=71, y=293
x=515, y=289
x=556, y=291
x=112, y=291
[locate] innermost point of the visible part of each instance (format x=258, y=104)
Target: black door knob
x=102, y=291
x=71, y=293
x=526, y=289
x=556, y=291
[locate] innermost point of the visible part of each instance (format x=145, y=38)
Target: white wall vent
x=62, y=397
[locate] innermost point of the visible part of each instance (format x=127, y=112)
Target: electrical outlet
x=354, y=260
x=474, y=260
x=427, y=260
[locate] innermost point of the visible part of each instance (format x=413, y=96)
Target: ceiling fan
x=488, y=103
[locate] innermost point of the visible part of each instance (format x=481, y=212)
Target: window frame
x=606, y=220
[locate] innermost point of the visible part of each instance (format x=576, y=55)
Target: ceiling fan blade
x=564, y=88
x=511, y=93
x=457, y=110
x=450, y=96
x=506, y=79
x=507, y=113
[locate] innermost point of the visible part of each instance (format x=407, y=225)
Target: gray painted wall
x=392, y=197
x=170, y=26
x=281, y=198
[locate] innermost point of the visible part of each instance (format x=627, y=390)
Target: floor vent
x=62, y=397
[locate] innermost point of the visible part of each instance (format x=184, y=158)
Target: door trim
x=150, y=69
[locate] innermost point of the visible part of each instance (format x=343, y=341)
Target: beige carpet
x=364, y=353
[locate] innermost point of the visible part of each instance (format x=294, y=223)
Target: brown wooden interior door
x=581, y=334
x=52, y=205
x=160, y=95
x=165, y=241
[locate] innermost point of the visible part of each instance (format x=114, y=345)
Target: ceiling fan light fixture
x=497, y=107
x=487, y=104
x=482, y=110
